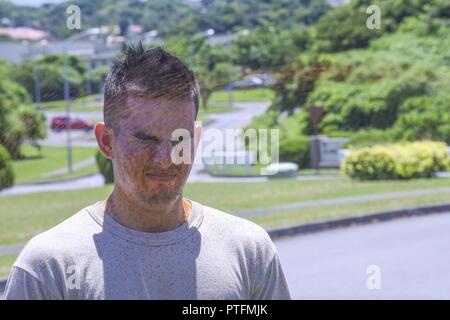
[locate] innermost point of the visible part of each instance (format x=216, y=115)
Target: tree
x=298, y=79
x=51, y=75
x=342, y=28
x=18, y=119
x=268, y=48
x=211, y=80
x=211, y=68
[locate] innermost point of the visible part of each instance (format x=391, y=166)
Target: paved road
x=413, y=255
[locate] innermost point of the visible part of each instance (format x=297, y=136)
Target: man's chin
x=159, y=197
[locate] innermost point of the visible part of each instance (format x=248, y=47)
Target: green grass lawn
x=235, y=170
x=87, y=103
x=215, y=109
x=322, y=171
x=314, y=214
x=203, y=115
x=35, y=166
x=236, y=197
x=88, y=99
x=23, y=216
x=257, y=94
x=255, y=171
x=59, y=106
x=5, y=264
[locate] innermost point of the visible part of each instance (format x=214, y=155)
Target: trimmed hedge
x=6, y=169
x=105, y=167
x=420, y=159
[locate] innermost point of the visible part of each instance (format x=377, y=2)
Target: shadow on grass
x=39, y=156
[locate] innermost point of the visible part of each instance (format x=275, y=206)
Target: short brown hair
x=152, y=73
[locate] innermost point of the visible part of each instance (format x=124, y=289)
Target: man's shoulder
x=235, y=227
x=59, y=241
x=77, y=225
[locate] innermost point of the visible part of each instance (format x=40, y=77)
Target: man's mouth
x=160, y=176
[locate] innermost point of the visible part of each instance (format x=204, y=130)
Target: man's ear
x=104, y=136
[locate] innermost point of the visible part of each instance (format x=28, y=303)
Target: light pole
x=89, y=82
x=67, y=92
x=37, y=88
x=37, y=83
x=67, y=108
x=230, y=76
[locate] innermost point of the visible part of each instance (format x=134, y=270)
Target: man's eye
x=175, y=142
x=146, y=138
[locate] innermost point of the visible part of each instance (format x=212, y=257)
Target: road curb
x=277, y=233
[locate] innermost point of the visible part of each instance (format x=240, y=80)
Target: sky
x=34, y=3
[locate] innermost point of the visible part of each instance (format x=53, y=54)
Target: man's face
x=142, y=148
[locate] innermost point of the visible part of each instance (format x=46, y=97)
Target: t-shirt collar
x=96, y=211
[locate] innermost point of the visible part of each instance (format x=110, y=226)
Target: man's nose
x=163, y=155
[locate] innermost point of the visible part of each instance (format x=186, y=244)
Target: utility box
x=324, y=151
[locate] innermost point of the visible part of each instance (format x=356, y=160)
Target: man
x=146, y=241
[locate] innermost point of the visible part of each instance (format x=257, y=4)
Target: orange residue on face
x=187, y=208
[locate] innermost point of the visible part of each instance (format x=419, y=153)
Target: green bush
x=6, y=170
x=22, y=123
x=424, y=117
x=295, y=149
x=105, y=167
x=420, y=159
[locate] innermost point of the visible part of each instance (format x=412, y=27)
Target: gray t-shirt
x=213, y=255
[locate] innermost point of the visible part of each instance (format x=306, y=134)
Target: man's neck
x=145, y=217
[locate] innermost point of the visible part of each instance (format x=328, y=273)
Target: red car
x=61, y=123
